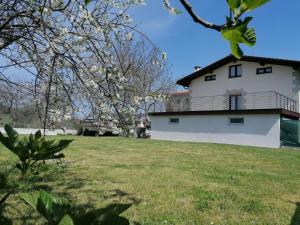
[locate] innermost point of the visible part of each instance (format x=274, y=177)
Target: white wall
x=48, y=132
x=281, y=80
x=258, y=130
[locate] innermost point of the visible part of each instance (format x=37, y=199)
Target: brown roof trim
x=180, y=93
x=230, y=58
x=283, y=112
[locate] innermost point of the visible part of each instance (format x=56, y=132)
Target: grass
x=175, y=182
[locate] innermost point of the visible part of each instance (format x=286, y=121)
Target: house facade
x=234, y=101
x=178, y=101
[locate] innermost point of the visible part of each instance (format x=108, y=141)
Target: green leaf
x=237, y=34
x=86, y=2
x=234, y=4
x=253, y=4
x=4, y=140
x=38, y=134
x=11, y=133
x=67, y=220
x=250, y=37
x=3, y=180
x=30, y=199
x=11, y=139
x=51, y=208
x=228, y=20
x=236, y=50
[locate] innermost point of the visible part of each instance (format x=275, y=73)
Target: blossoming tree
x=72, y=50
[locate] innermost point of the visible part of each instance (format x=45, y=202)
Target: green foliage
x=252, y=4
x=86, y=2
x=51, y=208
x=239, y=7
x=67, y=220
x=239, y=34
x=57, y=211
x=236, y=30
x=3, y=181
x=234, y=4
x=33, y=149
x=6, y=187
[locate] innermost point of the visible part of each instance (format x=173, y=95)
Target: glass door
x=235, y=102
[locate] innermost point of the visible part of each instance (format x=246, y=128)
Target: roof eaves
x=185, y=81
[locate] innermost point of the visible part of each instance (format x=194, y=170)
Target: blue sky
x=188, y=44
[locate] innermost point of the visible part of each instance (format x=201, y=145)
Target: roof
x=230, y=58
x=180, y=93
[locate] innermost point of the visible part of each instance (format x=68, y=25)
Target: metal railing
x=249, y=100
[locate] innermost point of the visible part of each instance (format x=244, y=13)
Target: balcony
x=244, y=101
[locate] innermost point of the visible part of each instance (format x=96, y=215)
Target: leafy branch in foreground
x=34, y=150
x=7, y=186
x=58, y=211
x=235, y=29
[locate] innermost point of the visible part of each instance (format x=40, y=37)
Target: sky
x=188, y=44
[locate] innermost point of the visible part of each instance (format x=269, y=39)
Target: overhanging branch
x=188, y=7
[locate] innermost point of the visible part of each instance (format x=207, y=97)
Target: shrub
x=58, y=211
x=32, y=150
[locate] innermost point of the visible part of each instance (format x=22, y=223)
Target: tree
x=14, y=99
x=147, y=82
x=70, y=50
x=235, y=29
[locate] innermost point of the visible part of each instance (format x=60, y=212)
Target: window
x=236, y=120
x=264, y=70
x=174, y=120
x=235, y=102
x=210, y=78
x=235, y=71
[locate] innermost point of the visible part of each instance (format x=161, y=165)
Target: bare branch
x=188, y=7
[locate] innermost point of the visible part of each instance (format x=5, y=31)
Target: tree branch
x=198, y=19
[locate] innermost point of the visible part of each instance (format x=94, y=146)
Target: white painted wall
x=258, y=130
x=48, y=132
x=281, y=80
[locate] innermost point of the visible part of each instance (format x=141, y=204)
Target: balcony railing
x=249, y=100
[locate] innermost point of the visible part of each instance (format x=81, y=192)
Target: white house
x=250, y=101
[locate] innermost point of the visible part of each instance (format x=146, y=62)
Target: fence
x=249, y=100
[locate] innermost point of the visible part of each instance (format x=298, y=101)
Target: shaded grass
x=175, y=182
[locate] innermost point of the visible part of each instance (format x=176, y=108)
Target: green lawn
x=175, y=182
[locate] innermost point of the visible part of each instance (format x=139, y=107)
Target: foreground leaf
x=67, y=220
x=253, y=4
x=53, y=209
x=239, y=34
x=234, y=4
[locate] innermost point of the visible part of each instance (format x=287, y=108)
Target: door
x=235, y=102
